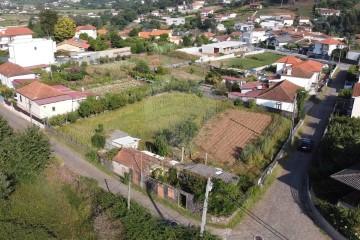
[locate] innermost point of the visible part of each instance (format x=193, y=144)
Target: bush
x=58, y=120
x=238, y=102
x=345, y=93
x=72, y=117
x=251, y=103
x=351, y=74
x=142, y=67
x=162, y=145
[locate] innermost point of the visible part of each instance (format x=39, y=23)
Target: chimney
x=259, y=87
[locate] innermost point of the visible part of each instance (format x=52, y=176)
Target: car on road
x=306, y=145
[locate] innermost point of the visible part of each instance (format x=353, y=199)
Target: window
x=278, y=105
x=53, y=108
x=20, y=98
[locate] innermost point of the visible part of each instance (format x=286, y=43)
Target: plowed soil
x=223, y=137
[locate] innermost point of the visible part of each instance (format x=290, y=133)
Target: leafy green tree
x=142, y=67
x=183, y=132
x=235, y=87
x=213, y=78
x=47, y=19
x=186, y=41
x=5, y=130
x=84, y=109
x=64, y=29
x=162, y=145
x=301, y=95
x=345, y=93
x=98, y=140
x=28, y=153
x=115, y=40
x=164, y=37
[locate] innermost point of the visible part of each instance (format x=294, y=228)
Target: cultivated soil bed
x=223, y=137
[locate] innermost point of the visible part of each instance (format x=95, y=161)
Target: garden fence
x=68, y=139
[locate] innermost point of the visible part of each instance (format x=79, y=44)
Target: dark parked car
x=306, y=145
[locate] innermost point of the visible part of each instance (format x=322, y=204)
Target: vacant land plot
x=249, y=62
x=158, y=59
x=194, y=72
x=224, y=136
x=144, y=118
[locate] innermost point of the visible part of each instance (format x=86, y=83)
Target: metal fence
x=68, y=139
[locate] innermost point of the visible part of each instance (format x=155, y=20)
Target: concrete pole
x=129, y=190
x=182, y=154
x=203, y=219
x=206, y=158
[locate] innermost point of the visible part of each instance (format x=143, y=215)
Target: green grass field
x=249, y=62
x=144, y=118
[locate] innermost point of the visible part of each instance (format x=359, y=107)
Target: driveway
x=282, y=206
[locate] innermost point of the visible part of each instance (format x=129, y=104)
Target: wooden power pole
x=209, y=186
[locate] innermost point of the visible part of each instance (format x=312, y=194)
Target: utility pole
x=182, y=154
x=293, y=117
x=209, y=186
x=206, y=158
x=129, y=190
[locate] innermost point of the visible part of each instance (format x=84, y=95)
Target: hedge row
x=112, y=101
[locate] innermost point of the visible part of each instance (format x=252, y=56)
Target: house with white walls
x=44, y=101
x=9, y=72
x=32, y=53
x=326, y=46
x=206, y=12
x=288, y=21
x=355, y=101
x=281, y=96
x=9, y=34
x=326, y=12
x=256, y=35
x=88, y=29
x=284, y=62
x=73, y=45
x=304, y=20
x=305, y=74
x=120, y=139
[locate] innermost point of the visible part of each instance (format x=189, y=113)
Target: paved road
x=282, y=206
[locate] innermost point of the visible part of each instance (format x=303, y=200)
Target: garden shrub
x=251, y=103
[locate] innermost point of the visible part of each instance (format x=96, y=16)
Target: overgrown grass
x=143, y=119
x=250, y=62
x=45, y=208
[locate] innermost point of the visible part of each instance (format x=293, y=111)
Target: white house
x=206, y=12
x=223, y=47
x=255, y=36
x=176, y=21
x=155, y=13
x=13, y=33
x=44, y=101
x=355, y=111
x=171, y=9
x=329, y=12
x=197, y=5
x=32, y=53
x=88, y=29
x=256, y=6
x=221, y=27
x=288, y=21
x=10, y=72
x=328, y=45
x=304, y=20
x=305, y=74
x=281, y=96
x=284, y=62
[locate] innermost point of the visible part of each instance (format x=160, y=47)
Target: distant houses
x=73, y=45
x=88, y=29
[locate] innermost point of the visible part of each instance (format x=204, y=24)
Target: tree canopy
x=64, y=29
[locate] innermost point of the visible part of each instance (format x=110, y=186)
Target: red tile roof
x=154, y=32
x=331, y=41
x=208, y=34
x=19, y=82
x=251, y=85
x=86, y=27
x=356, y=90
x=136, y=160
x=250, y=94
x=15, y=31
x=102, y=31
x=77, y=42
x=38, y=90
x=310, y=65
x=284, y=91
x=289, y=60
x=73, y=94
x=10, y=69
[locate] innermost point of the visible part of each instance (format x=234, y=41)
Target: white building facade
x=32, y=52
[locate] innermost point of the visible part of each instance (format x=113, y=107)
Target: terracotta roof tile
x=331, y=41
x=15, y=31
x=77, y=42
x=349, y=176
x=102, y=31
x=284, y=91
x=136, y=160
x=289, y=60
x=10, y=69
x=356, y=90
x=310, y=65
x=86, y=27
x=38, y=90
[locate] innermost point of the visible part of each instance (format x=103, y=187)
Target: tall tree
x=47, y=19
x=64, y=29
x=5, y=130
